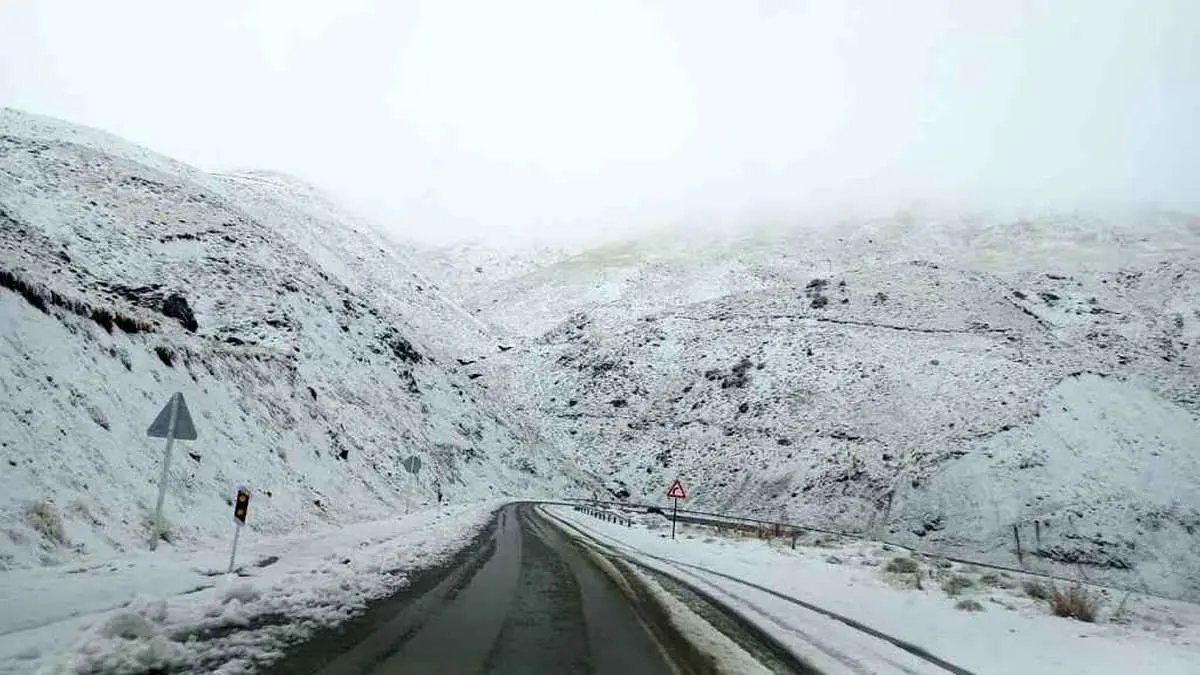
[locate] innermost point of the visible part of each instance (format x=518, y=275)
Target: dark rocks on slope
x=400, y=346
x=176, y=307
x=165, y=355
x=739, y=375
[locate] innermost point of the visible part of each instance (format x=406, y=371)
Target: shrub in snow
x=902, y=566
x=968, y=605
x=45, y=520
x=1074, y=602
x=165, y=533
x=956, y=585
x=993, y=579
x=1036, y=590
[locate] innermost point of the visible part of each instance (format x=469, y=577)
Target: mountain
x=1017, y=389
x=313, y=353
x=952, y=384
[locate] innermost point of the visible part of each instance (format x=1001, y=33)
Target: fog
x=500, y=121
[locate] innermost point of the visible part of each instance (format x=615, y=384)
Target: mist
x=455, y=119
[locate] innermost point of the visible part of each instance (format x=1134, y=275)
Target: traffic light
x=241, y=505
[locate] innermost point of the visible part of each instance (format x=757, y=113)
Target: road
x=526, y=600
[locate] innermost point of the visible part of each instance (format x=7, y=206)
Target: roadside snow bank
x=181, y=611
x=1008, y=633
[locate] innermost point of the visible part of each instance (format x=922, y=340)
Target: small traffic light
x=241, y=505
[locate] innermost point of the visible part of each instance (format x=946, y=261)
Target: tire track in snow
x=613, y=544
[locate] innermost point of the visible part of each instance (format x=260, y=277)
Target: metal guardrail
x=603, y=514
x=793, y=530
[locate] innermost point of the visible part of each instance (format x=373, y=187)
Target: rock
x=176, y=307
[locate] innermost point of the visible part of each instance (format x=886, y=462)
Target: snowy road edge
x=640, y=558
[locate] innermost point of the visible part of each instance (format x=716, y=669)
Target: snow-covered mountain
x=932, y=381
x=952, y=383
x=314, y=355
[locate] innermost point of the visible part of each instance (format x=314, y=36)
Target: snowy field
x=179, y=609
x=981, y=622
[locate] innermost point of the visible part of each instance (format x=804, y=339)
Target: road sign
x=412, y=464
x=241, y=504
x=183, y=429
x=677, y=491
x=173, y=421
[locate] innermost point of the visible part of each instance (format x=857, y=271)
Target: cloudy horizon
x=459, y=119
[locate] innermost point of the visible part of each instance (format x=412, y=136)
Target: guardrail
x=604, y=514
x=772, y=529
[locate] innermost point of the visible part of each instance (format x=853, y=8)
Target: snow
x=173, y=609
x=927, y=380
x=1012, y=634
x=312, y=370
x=726, y=655
x=961, y=378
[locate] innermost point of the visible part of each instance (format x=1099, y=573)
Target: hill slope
x=933, y=382
x=310, y=371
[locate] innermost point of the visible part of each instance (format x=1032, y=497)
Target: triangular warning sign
x=184, y=429
x=677, y=491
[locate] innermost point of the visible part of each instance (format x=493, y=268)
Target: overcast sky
x=498, y=119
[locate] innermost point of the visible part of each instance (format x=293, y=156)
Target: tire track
x=612, y=545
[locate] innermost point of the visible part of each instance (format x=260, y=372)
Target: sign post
x=241, y=505
x=412, y=465
x=676, y=492
x=173, y=421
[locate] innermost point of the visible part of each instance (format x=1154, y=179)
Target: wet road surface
x=527, y=601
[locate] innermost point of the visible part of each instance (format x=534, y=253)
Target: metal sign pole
x=237, y=531
x=674, y=515
x=166, y=466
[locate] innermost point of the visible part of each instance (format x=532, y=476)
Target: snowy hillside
x=936, y=382
x=313, y=355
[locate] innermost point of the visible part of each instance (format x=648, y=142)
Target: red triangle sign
x=677, y=491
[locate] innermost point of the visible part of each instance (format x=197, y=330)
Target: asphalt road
x=527, y=600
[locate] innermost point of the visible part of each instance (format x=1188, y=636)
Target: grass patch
x=46, y=521
x=968, y=605
x=1036, y=590
x=42, y=299
x=1075, y=602
x=998, y=580
x=956, y=584
x=902, y=566
x=167, y=533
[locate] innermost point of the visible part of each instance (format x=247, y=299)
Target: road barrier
x=768, y=529
x=604, y=514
